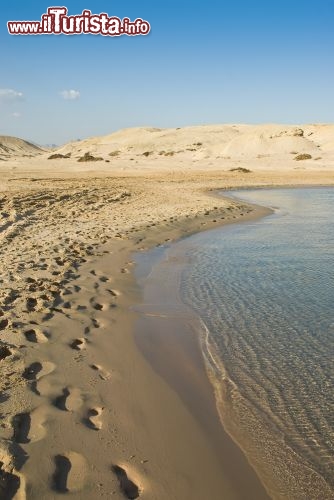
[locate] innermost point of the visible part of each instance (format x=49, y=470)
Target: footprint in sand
x=4, y=323
x=103, y=374
x=29, y=427
x=37, y=370
x=11, y=485
x=50, y=315
x=81, y=308
x=78, y=344
x=31, y=304
x=93, y=419
x=32, y=371
x=98, y=307
x=129, y=488
x=21, y=426
x=36, y=336
x=4, y=352
x=96, y=323
x=104, y=279
x=70, y=400
x=70, y=473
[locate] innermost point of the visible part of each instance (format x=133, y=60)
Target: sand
x=83, y=410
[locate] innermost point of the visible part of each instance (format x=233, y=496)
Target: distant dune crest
x=12, y=146
x=207, y=146
x=209, y=141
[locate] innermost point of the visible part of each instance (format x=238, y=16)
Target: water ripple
x=265, y=293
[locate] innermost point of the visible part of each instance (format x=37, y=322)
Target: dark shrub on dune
x=303, y=156
x=58, y=156
x=240, y=169
x=89, y=157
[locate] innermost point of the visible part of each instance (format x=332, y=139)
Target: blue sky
x=217, y=62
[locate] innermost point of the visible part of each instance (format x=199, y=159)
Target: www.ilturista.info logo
x=57, y=22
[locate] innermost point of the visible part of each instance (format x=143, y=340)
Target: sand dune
x=258, y=148
x=11, y=147
x=208, y=143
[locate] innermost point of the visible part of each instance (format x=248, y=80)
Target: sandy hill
x=203, y=142
x=207, y=147
x=12, y=147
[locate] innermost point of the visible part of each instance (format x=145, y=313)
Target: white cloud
x=16, y=115
x=70, y=95
x=10, y=95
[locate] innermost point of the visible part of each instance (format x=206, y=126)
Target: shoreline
x=91, y=387
x=239, y=420
x=175, y=331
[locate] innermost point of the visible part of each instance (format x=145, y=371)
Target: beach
x=85, y=408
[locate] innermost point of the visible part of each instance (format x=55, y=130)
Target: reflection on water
x=265, y=291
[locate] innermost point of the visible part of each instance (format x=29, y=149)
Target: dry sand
x=82, y=410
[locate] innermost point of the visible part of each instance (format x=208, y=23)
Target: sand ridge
x=13, y=147
x=215, y=142
x=206, y=148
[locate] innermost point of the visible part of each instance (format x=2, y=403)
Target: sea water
x=265, y=294
x=262, y=293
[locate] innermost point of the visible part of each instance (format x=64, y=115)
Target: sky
x=216, y=62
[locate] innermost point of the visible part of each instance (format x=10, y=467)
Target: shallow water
x=265, y=291
x=263, y=296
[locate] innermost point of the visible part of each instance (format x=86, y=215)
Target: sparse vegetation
x=194, y=146
x=240, y=169
x=115, y=153
x=89, y=157
x=147, y=153
x=59, y=156
x=303, y=156
x=168, y=153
